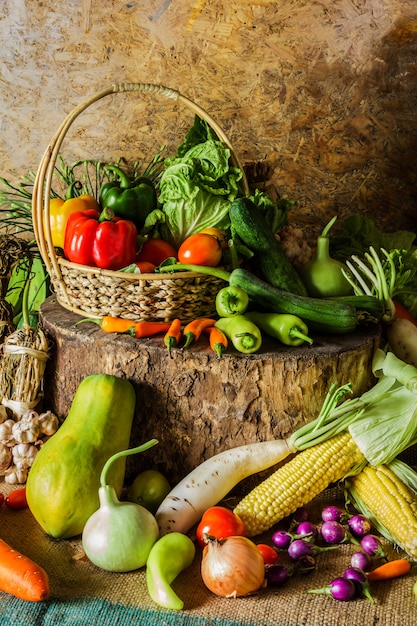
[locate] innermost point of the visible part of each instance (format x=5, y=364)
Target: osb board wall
x=323, y=92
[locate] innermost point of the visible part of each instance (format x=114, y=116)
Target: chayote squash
x=63, y=482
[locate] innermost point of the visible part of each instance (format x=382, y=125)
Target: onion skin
x=232, y=567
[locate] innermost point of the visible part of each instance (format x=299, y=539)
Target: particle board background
x=323, y=93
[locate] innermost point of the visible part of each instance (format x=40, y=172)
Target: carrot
x=193, y=330
x=22, y=577
x=120, y=325
x=16, y=499
x=218, y=340
x=173, y=336
x=403, y=313
x=392, y=569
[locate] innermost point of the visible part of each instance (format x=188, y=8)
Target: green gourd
x=63, y=482
x=323, y=275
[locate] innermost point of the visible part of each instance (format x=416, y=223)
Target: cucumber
x=321, y=315
x=249, y=223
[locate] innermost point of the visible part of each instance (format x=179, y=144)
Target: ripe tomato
x=219, y=522
x=155, y=251
x=220, y=234
x=149, y=489
x=269, y=554
x=16, y=499
x=145, y=267
x=200, y=249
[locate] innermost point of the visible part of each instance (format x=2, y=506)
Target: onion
x=232, y=567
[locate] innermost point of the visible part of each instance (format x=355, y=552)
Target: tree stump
x=194, y=403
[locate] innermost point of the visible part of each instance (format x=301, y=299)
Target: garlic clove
x=3, y=414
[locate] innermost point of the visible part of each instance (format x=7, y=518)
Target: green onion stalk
x=382, y=421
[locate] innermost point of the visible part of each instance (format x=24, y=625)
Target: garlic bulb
x=27, y=429
x=6, y=432
x=23, y=455
x=48, y=423
x=5, y=457
x=3, y=414
x=16, y=476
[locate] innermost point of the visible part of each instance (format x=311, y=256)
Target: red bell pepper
x=100, y=239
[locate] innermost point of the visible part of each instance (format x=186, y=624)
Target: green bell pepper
x=129, y=199
x=231, y=301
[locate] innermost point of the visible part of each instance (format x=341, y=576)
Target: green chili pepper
x=231, y=301
x=169, y=556
x=288, y=329
x=242, y=332
x=129, y=199
x=322, y=276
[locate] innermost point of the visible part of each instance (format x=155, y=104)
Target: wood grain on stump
x=195, y=404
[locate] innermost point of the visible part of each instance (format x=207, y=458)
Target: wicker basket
x=94, y=292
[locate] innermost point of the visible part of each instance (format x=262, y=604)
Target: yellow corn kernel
x=297, y=482
x=391, y=502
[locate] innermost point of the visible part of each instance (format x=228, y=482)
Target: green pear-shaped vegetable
x=62, y=485
x=119, y=535
x=322, y=276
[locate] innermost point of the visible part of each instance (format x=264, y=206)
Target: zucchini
x=249, y=223
x=320, y=314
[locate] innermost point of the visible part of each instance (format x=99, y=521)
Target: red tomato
x=16, y=499
x=155, y=251
x=200, y=249
x=269, y=554
x=219, y=522
x=145, y=267
x=220, y=234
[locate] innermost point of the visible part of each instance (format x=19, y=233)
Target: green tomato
x=149, y=489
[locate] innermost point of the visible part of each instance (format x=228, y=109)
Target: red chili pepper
x=16, y=499
x=100, y=239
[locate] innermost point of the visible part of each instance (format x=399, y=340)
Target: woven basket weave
x=94, y=292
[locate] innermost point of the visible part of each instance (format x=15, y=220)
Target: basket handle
x=43, y=180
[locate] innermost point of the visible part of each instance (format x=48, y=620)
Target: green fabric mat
x=82, y=594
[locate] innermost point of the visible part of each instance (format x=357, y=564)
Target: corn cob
x=389, y=503
x=297, y=482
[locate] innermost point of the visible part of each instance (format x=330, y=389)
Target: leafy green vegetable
x=357, y=233
x=195, y=192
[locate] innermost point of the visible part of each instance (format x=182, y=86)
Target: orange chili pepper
x=392, y=569
x=120, y=325
x=173, y=336
x=193, y=330
x=218, y=340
